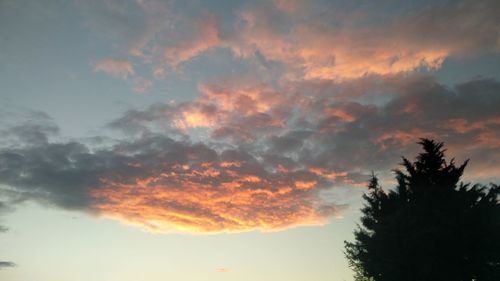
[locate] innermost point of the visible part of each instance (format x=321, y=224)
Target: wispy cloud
x=114, y=67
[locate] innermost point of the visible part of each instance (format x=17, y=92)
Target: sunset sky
x=225, y=140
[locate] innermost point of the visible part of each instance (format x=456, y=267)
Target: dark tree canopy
x=430, y=227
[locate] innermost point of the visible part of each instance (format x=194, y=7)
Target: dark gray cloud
x=5, y=207
x=135, y=122
x=465, y=117
x=170, y=178
x=6, y=264
x=457, y=24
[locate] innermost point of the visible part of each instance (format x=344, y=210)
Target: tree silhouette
x=430, y=227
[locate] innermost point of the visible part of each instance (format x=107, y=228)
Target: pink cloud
x=114, y=67
x=341, y=44
x=335, y=54
x=206, y=36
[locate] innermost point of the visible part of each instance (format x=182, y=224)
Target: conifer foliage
x=430, y=227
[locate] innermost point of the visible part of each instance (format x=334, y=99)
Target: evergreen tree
x=430, y=227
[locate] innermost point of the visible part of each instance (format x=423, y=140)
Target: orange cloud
x=327, y=174
x=335, y=54
x=230, y=164
x=305, y=184
x=349, y=44
x=212, y=198
x=193, y=116
x=349, y=64
x=228, y=112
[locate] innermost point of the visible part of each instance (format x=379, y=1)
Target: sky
x=226, y=140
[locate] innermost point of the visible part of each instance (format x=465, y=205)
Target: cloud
x=199, y=192
x=222, y=269
x=146, y=121
x=141, y=85
x=324, y=121
x=315, y=41
x=204, y=37
x=251, y=157
x=294, y=40
x=6, y=264
x=4, y=207
x=117, y=68
x=348, y=41
x=162, y=184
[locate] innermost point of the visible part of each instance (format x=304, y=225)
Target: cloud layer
x=309, y=40
x=303, y=99
x=251, y=157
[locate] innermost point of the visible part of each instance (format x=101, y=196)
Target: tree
x=430, y=227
